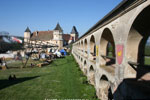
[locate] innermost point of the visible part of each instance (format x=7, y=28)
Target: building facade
x=54, y=37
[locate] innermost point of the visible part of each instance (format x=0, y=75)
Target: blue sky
x=16, y=15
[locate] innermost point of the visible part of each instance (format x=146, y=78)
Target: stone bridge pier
x=113, y=49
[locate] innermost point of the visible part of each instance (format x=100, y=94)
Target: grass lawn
x=147, y=60
x=19, y=63
x=62, y=79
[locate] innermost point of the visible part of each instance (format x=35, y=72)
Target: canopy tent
x=63, y=52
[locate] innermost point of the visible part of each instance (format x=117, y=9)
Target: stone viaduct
x=112, y=50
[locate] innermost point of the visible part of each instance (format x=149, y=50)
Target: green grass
x=110, y=54
x=147, y=61
x=19, y=64
x=147, y=50
x=60, y=80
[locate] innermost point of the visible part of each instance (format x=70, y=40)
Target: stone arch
x=136, y=41
x=81, y=59
x=103, y=77
x=85, y=46
x=107, y=48
x=82, y=45
x=92, y=75
x=85, y=67
x=81, y=62
x=105, y=92
x=91, y=69
x=92, y=47
x=85, y=63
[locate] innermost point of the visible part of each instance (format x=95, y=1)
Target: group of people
x=18, y=56
x=47, y=56
x=50, y=55
x=12, y=77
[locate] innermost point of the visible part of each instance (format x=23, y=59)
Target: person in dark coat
x=1, y=61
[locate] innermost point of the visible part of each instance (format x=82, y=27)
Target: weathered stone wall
x=125, y=37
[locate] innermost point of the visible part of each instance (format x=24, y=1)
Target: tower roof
x=27, y=29
x=58, y=27
x=74, y=30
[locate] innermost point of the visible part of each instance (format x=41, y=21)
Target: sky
x=42, y=15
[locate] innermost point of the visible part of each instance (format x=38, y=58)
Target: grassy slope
x=61, y=79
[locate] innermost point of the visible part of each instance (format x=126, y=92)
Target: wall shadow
x=111, y=62
x=135, y=88
x=6, y=82
x=132, y=89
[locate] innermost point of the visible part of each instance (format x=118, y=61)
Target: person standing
x=4, y=62
x=1, y=61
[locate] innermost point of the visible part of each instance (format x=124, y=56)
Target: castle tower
x=58, y=36
x=74, y=34
x=27, y=35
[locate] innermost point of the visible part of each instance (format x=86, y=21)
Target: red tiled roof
x=66, y=37
x=42, y=35
x=48, y=35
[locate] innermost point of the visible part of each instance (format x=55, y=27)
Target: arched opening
x=85, y=63
x=92, y=48
x=91, y=75
x=110, y=50
x=81, y=63
x=78, y=45
x=81, y=59
x=105, y=92
x=147, y=52
x=85, y=68
x=136, y=47
x=85, y=47
x=82, y=46
x=107, y=49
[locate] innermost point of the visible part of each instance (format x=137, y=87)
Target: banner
x=16, y=40
x=119, y=49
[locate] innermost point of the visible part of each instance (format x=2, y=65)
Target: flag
x=16, y=40
x=120, y=53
